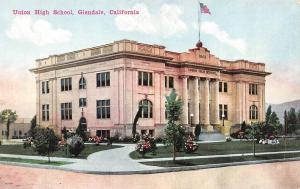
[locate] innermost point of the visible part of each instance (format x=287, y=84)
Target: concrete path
x=216, y=156
x=118, y=160
x=114, y=160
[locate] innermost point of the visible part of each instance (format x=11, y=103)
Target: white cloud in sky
x=165, y=23
x=212, y=28
x=39, y=32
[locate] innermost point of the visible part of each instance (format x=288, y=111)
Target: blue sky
x=265, y=31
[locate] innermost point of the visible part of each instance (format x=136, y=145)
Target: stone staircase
x=214, y=135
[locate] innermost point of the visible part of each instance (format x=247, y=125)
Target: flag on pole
x=204, y=9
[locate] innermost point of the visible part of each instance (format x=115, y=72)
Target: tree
x=45, y=141
x=298, y=117
x=33, y=125
x=292, y=120
x=136, y=118
x=8, y=116
x=275, y=123
x=255, y=133
x=285, y=122
x=174, y=131
x=75, y=145
x=268, y=114
x=82, y=128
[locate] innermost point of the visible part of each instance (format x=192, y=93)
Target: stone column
x=206, y=120
x=195, y=101
x=185, y=100
x=215, y=103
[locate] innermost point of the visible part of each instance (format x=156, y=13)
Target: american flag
x=204, y=9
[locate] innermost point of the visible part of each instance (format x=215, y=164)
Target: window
x=45, y=112
x=82, y=83
x=225, y=87
x=103, y=133
x=253, y=112
x=20, y=133
x=103, y=79
x=66, y=84
x=169, y=82
x=66, y=111
x=220, y=111
x=103, y=109
x=223, y=110
x=82, y=102
x=253, y=89
x=147, y=109
x=45, y=87
x=145, y=78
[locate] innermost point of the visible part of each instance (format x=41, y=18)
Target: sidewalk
x=215, y=156
x=118, y=161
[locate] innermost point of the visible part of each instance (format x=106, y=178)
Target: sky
x=263, y=31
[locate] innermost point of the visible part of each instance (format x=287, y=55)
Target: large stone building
x=106, y=84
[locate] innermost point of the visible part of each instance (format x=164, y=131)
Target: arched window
x=253, y=112
x=82, y=83
x=147, y=110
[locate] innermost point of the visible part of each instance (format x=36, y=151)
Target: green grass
x=206, y=161
x=221, y=148
x=19, y=150
x=33, y=161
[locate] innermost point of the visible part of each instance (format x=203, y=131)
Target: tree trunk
x=174, y=153
x=7, y=129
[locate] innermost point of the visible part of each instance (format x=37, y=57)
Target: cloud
x=165, y=23
x=213, y=29
x=39, y=32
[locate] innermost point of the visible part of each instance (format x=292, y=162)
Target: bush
x=127, y=139
x=45, y=141
x=75, y=145
x=96, y=139
x=159, y=140
x=190, y=145
x=228, y=139
x=136, y=138
x=143, y=147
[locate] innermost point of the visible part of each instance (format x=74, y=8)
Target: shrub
x=228, y=139
x=190, y=145
x=143, y=147
x=127, y=139
x=96, y=139
x=75, y=145
x=45, y=141
x=159, y=140
x=136, y=138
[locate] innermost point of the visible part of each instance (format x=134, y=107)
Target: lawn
x=220, y=148
x=19, y=150
x=33, y=161
x=206, y=161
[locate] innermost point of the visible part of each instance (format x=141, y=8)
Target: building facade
x=17, y=130
x=107, y=84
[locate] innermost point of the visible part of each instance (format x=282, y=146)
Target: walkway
x=114, y=160
x=117, y=160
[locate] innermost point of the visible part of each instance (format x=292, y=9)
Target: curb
x=160, y=170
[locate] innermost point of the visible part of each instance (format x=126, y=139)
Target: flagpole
x=199, y=21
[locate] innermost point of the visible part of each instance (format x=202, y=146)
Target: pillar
x=185, y=100
x=205, y=106
x=195, y=101
x=215, y=103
